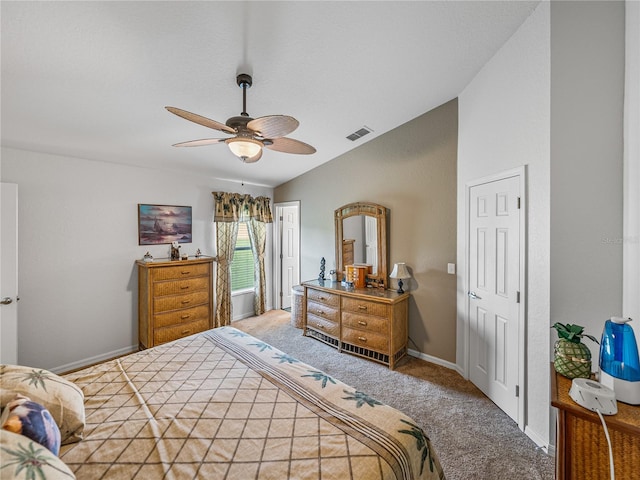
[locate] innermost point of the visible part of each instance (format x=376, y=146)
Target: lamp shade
x=400, y=271
x=244, y=147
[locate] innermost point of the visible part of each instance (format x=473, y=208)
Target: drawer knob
x=184, y=332
x=322, y=298
x=184, y=287
x=362, y=339
x=185, y=316
x=319, y=312
x=320, y=326
x=362, y=322
x=187, y=272
x=362, y=307
x=184, y=302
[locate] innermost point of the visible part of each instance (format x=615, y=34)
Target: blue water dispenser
x=619, y=363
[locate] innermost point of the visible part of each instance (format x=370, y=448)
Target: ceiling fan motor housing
x=244, y=80
x=239, y=123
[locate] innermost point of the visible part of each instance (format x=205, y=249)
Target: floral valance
x=238, y=207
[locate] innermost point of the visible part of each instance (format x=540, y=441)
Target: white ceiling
x=91, y=79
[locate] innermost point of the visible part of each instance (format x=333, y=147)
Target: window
x=242, y=267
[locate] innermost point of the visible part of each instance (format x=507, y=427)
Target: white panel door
x=371, y=242
x=290, y=251
x=9, y=273
x=494, y=285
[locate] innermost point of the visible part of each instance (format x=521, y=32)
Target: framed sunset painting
x=158, y=224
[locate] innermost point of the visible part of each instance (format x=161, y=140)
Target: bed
x=223, y=404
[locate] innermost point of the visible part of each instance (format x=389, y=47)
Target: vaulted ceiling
x=91, y=79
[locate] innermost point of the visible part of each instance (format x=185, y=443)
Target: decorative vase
x=573, y=360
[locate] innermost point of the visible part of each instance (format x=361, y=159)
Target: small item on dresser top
x=147, y=257
x=619, y=360
x=175, y=251
x=185, y=256
x=593, y=396
x=334, y=275
x=400, y=272
x=322, y=267
x=198, y=253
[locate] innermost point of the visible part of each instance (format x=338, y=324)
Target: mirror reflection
x=361, y=239
x=360, y=236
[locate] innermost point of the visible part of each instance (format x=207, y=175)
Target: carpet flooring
x=473, y=438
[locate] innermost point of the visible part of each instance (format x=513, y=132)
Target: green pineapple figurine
x=572, y=358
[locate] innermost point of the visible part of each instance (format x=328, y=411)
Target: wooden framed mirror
x=361, y=238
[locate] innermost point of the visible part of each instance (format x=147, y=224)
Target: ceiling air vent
x=359, y=134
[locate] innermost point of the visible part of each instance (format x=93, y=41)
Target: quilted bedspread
x=225, y=405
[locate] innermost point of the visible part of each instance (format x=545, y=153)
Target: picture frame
x=160, y=224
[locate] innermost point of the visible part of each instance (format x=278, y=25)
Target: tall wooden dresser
x=175, y=299
x=368, y=322
x=582, y=451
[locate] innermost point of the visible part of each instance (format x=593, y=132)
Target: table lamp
x=400, y=271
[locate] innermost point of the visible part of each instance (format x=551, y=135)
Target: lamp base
x=400, y=290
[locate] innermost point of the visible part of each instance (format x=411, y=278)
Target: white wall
x=504, y=123
x=78, y=243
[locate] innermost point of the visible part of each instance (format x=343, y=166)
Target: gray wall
x=587, y=85
x=411, y=170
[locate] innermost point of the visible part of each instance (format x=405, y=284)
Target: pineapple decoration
x=572, y=358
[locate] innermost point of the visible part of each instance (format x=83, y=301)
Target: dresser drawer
x=369, y=340
x=167, y=334
x=180, y=286
x=368, y=323
x=178, y=317
x=323, y=297
x=322, y=310
x=365, y=307
x=175, y=302
x=180, y=271
x=322, y=325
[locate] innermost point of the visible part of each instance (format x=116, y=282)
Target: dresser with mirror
x=368, y=321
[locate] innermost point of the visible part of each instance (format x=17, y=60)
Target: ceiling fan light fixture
x=244, y=148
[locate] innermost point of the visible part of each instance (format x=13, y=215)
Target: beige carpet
x=473, y=438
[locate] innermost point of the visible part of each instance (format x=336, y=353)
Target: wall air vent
x=359, y=134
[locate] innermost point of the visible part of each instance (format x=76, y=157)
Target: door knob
x=474, y=296
x=6, y=301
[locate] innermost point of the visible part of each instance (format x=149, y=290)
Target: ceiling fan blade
x=273, y=126
x=199, y=143
x=200, y=120
x=289, y=145
x=255, y=158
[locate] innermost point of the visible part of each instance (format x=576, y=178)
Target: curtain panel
x=229, y=209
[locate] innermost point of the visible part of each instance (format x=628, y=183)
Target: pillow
x=32, y=420
x=22, y=458
x=63, y=399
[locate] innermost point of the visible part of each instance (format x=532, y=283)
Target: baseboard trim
x=93, y=360
x=431, y=359
x=539, y=441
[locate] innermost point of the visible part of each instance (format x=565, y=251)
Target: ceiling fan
x=250, y=134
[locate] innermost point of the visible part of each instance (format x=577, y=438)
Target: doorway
x=287, y=251
x=9, y=273
x=495, y=303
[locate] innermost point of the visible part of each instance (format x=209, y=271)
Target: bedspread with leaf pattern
x=225, y=405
